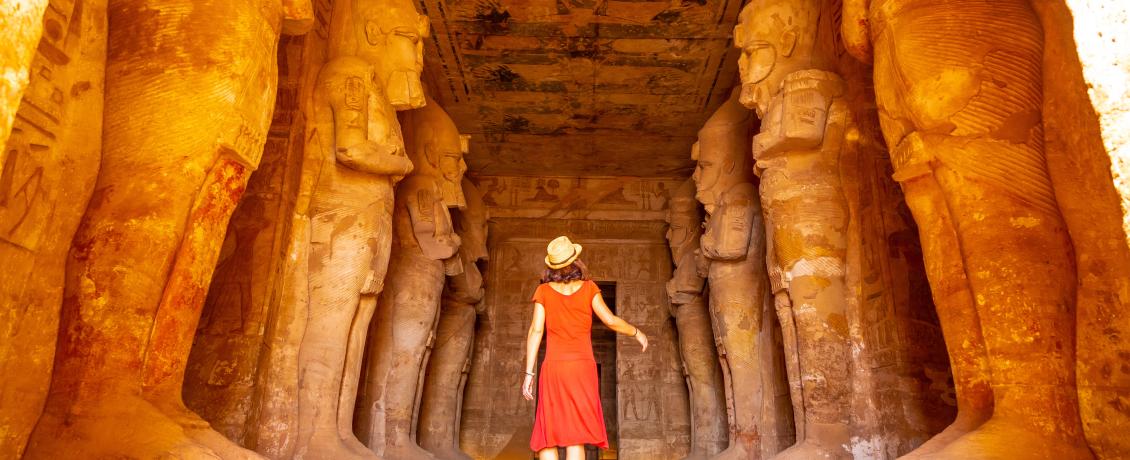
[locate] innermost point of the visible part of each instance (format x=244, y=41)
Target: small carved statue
x=441, y=402
x=804, y=120
x=179, y=147
x=966, y=139
x=425, y=249
x=733, y=246
x=696, y=340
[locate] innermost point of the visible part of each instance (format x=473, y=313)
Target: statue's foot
x=737, y=451
x=956, y=430
x=1000, y=439
x=809, y=450
x=174, y=408
x=328, y=446
x=408, y=451
x=226, y=448
x=357, y=447
x=114, y=426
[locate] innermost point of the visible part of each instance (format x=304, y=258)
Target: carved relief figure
x=179, y=146
x=733, y=246
x=48, y=168
x=804, y=123
x=424, y=250
x=442, y=399
x=966, y=140
x=696, y=340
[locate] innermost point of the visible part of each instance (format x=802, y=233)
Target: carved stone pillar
x=425, y=249
x=709, y=432
x=446, y=375
x=734, y=246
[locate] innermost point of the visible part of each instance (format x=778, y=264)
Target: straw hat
x=562, y=252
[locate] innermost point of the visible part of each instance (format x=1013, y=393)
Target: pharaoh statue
x=733, y=247
x=446, y=375
x=178, y=149
x=424, y=250
x=966, y=140
x=23, y=27
x=804, y=121
x=692, y=320
x=360, y=159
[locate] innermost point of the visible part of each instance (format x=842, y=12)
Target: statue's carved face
x=707, y=174
x=451, y=168
x=682, y=226
x=767, y=35
x=393, y=36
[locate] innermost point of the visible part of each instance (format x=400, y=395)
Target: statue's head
x=437, y=149
x=777, y=37
x=390, y=34
x=723, y=152
x=346, y=83
x=471, y=225
x=684, y=221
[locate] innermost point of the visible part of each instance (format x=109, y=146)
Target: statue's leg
x=784, y=308
x=339, y=262
x=439, y=429
x=413, y=316
x=809, y=218
x=733, y=291
x=358, y=332
x=953, y=299
x=708, y=400
x=1021, y=270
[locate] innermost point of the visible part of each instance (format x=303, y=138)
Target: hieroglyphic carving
x=599, y=198
x=967, y=145
x=48, y=166
x=125, y=338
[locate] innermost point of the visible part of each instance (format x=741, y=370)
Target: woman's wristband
x=531, y=374
x=636, y=332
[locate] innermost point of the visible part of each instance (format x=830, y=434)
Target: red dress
x=568, y=411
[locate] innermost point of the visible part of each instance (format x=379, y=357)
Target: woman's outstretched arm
x=615, y=322
x=533, y=342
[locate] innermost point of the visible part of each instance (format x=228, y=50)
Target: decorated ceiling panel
x=581, y=87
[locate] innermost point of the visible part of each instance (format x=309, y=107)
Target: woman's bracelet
x=531, y=374
x=637, y=331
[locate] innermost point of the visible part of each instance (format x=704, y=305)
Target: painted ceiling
x=581, y=87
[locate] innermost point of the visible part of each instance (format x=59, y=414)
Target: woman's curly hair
x=575, y=271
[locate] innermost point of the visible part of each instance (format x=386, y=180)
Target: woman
x=569, y=413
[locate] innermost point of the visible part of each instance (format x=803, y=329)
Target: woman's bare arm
x=533, y=343
x=615, y=322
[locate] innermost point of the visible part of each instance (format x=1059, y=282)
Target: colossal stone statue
x=966, y=140
x=804, y=120
x=446, y=375
x=179, y=146
x=734, y=247
x=362, y=157
x=424, y=249
x=696, y=341
x=48, y=166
